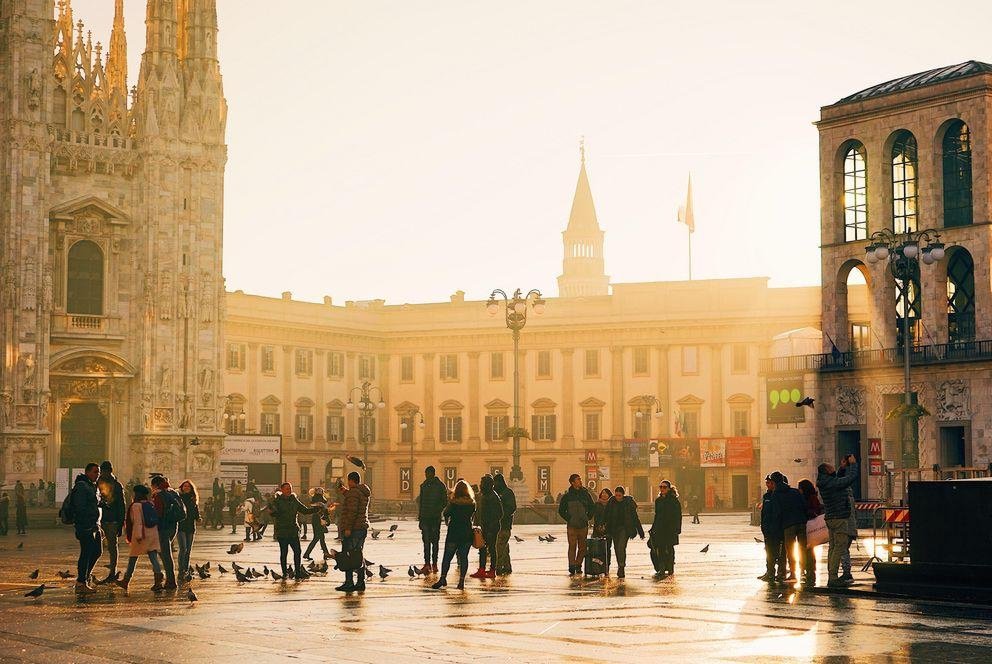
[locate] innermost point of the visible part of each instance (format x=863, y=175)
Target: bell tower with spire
x=583, y=268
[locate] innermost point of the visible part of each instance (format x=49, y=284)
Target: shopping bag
x=816, y=531
x=478, y=541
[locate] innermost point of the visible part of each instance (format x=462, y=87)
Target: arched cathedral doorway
x=84, y=435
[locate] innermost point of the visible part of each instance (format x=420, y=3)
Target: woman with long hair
x=814, y=508
x=187, y=527
x=458, y=538
x=666, y=529
x=141, y=532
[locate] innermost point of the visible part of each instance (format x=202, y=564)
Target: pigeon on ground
x=206, y=565
x=519, y=539
x=705, y=549
x=237, y=567
x=759, y=540
x=202, y=573
x=550, y=538
x=369, y=563
x=390, y=536
x=384, y=572
x=275, y=577
x=393, y=528
x=410, y=573
x=265, y=570
x=20, y=545
x=368, y=573
x=356, y=461
x=236, y=548
x=64, y=575
x=34, y=574
x=36, y=592
x=220, y=568
x=808, y=401
x=322, y=568
x=190, y=595
x=375, y=533
x=541, y=538
x=241, y=577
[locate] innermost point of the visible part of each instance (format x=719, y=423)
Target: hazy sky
x=407, y=149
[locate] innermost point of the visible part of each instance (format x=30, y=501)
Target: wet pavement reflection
x=713, y=609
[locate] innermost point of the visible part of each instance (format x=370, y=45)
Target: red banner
x=740, y=453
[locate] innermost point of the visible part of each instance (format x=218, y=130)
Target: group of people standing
x=786, y=513
x=20, y=510
x=156, y=517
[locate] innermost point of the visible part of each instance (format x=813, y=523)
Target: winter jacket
x=667, y=523
x=188, y=525
x=508, y=501
x=160, y=499
x=771, y=520
x=85, y=505
x=814, y=507
x=621, y=518
x=572, y=514
x=490, y=511
x=791, y=506
x=458, y=515
x=111, y=499
x=284, y=510
x=355, y=508
x=141, y=528
x=833, y=492
x=599, y=518
x=432, y=500
x=320, y=502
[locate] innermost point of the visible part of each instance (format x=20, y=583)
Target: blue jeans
x=185, y=541
x=90, y=550
x=356, y=540
x=167, y=533
x=451, y=549
x=133, y=560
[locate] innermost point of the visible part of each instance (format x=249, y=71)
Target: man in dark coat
x=665, y=529
x=508, y=500
x=791, y=509
x=86, y=520
x=622, y=524
x=4, y=513
x=113, y=510
x=431, y=502
x=355, y=526
x=837, y=507
x=772, y=532
x=284, y=509
x=576, y=507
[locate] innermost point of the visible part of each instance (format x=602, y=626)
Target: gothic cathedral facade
x=111, y=224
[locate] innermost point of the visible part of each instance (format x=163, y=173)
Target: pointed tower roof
x=582, y=218
x=117, y=55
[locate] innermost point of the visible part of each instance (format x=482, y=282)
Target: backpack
x=175, y=510
x=67, y=513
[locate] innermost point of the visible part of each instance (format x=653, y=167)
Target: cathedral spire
x=160, y=32
x=583, y=271
x=200, y=30
x=117, y=54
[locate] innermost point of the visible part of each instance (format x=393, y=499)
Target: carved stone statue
x=43, y=401
x=953, y=401
x=47, y=290
x=850, y=405
x=146, y=410
x=186, y=408
x=32, y=84
x=165, y=384
x=207, y=299
x=30, y=369
x=206, y=384
x=9, y=278
x=6, y=407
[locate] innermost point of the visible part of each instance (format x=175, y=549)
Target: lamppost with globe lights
x=905, y=252
x=405, y=423
x=366, y=411
x=648, y=400
x=516, y=319
x=233, y=422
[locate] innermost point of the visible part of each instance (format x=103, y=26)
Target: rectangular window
x=691, y=419
x=544, y=364
x=335, y=428
x=592, y=426
x=449, y=367
x=451, y=429
x=335, y=365
x=406, y=369
x=407, y=425
x=544, y=427
x=366, y=367
x=270, y=424
x=366, y=429
x=742, y=422
x=641, y=356
x=860, y=336
x=592, y=363
x=739, y=360
x=268, y=359
x=642, y=425
x=496, y=426
x=690, y=360
x=304, y=362
x=304, y=479
x=496, y=366
x=304, y=428
x=236, y=357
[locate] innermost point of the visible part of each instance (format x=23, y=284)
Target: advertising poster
x=713, y=453
x=782, y=393
x=740, y=453
x=685, y=453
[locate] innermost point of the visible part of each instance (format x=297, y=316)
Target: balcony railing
x=81, y=324
x=958, y=351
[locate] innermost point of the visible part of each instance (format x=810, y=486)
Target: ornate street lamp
x=648, y=400
x=405, y=423
x=516, y=319
x=366, y=413
x=905, y=252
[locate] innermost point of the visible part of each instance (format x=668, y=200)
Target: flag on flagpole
x=679, y=424
x=685, y=211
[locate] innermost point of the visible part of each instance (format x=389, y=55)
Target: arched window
x=855, y=194
x=84, y=288
x=957, y=175
x=960, y=297
x=914, y=310
x=904, y=167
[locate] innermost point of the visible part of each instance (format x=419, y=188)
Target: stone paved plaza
x=712, y=610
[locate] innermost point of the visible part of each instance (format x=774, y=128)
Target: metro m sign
x=592, y=458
